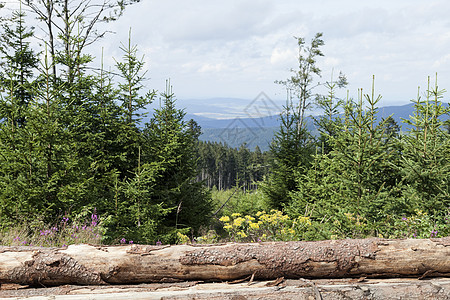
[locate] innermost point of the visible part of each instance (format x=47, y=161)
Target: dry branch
x=97, y=265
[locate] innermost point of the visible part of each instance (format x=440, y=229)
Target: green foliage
x=171, y=144
x=368, y=175
x=301, y=82
x=425, y=161
x=291, y=151
x=130, y=71
x=357, y=175
x=20, y=63
x=83, y=228
x=293, y=146
x=421, y=225
x=71, y=142
x=273, y=226
x=227, y=202
x=223, y=167
x=72, y=139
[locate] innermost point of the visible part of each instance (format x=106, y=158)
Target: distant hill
x=256, y=136
x=227, y=120
x=260, y=131
x=239, y=122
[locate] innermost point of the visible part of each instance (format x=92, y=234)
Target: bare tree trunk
x=86, y=264
x=374, y=289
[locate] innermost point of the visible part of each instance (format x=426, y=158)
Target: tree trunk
x=332, y=289
x=86, y=264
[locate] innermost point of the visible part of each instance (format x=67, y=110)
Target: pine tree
x=330, y=123
x=73, y=24
x=292, y=146
x=19, y=64
x=291, y=152
x=426, y=154
x=170, y=143
x=357, y=176
x=17, y=159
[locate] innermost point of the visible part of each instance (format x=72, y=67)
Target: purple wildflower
x=158, y=243
x=130, y=242
x=404, y=219
x=94, y=218
x=45, y=232
x=123, y=241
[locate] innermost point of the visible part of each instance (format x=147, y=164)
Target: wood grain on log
x=97, y=265
x=374, y=289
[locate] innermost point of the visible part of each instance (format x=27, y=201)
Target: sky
x=238, y=48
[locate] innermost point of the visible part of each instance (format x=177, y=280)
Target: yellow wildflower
x=242, y=234
x=254, y=225
x=259, y=213
x=250, y=218
x=349, y=216
x=304, y=220
x=238, y=221
x=182, y=238
x=225, y=219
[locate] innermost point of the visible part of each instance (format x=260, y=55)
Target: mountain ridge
x=260, y=131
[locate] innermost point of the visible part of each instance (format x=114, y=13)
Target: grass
x=81, y=229
x=86, y=228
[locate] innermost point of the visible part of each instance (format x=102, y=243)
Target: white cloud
x=282, y=56
x=208, y=68
x=442, y=61
x=331, y=62
x=238, y=48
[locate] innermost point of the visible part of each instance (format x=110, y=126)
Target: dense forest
x=72, y=144
x=224, y=167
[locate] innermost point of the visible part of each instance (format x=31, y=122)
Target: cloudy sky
x=238, y=48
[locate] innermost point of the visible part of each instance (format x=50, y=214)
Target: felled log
x=97, y=265
x=374, y=289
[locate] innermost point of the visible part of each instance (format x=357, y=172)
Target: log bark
x=374, y=289
x=99, y=265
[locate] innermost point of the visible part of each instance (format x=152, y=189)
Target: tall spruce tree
x=292, y=146
x=291, y=152
x=69, y=26
x=426, y=154
x=17, y=77
x=170, y=143
x=356, y=177
x=20, y=64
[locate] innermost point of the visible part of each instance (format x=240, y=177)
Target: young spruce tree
x=292, y=146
